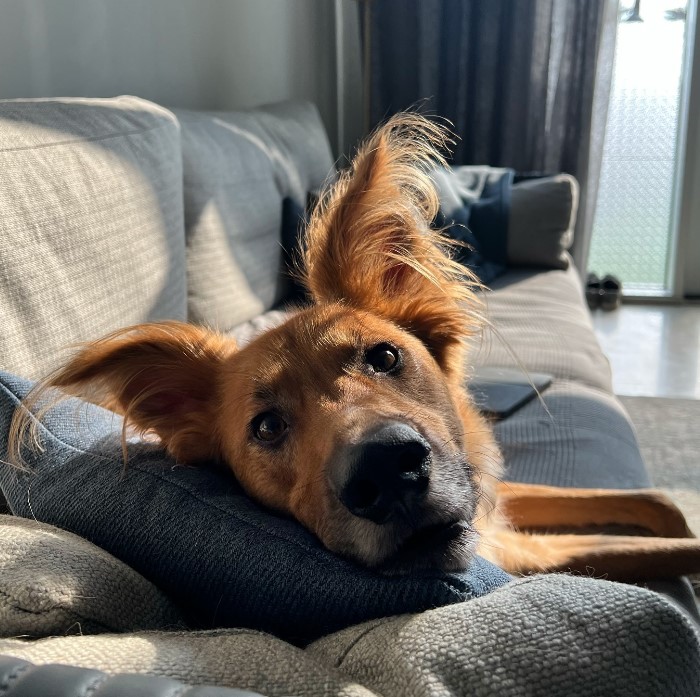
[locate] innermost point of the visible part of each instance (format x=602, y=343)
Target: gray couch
x=118, y=211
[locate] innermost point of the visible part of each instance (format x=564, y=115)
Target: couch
x=118, y=211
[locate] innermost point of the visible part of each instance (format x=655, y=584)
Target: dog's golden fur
x=378, y=276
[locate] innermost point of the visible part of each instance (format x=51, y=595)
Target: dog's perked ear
x=162, y=377
x=369, y=242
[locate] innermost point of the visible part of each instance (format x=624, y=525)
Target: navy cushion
x=295, y=218
x=477, y=218
x=192, y=531
x=455, y=225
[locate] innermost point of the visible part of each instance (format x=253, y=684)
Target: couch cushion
x=234, y=658
x=543, y=319
x=91, y=223
x=193, y=533
x=238, y=168
x=542, y=218
x=579, y=434
x=554, y=635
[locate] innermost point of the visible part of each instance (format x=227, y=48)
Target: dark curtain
x=525, y=82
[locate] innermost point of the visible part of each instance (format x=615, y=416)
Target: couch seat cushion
x=579, y=435
x=53, y=582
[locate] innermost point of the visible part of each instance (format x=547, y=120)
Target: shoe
x=593, y=291
x=610, y=293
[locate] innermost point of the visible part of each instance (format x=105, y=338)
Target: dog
x=352, y=415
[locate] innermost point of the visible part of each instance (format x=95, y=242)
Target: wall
x=205, y=54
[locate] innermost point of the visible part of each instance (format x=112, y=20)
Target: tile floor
x=654, y=350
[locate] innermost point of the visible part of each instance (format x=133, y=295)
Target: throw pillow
x=542, y=220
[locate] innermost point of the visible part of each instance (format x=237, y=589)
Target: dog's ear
x=369, y=242
x=163, y=377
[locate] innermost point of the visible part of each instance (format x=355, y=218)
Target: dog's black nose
x=384, y=475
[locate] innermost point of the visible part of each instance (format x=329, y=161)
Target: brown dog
x=352, y=415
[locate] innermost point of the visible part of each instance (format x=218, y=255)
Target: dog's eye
x=383, y=358
x=269, y=427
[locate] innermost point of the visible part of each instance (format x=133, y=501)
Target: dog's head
x=351, y=415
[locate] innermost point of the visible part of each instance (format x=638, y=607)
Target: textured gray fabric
x=238, y=166
x=554, y=635
x=547, y=635
x=54, y=582
x=542, y=218
x=91, y=222
x=583, y=438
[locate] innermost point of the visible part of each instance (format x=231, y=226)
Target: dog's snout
x=385, y=475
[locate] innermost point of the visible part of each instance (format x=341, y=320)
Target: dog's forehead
x=320, y=329
x=314, y=344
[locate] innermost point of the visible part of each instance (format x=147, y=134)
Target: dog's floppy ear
x=369, y=243
x=163, y=377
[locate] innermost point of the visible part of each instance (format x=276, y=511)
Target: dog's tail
x=627, y=558
x=649, y=536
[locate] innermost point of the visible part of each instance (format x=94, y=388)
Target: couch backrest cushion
x=91, y=224
x=238, y=167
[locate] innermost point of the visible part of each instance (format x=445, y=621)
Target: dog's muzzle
x=386, y=476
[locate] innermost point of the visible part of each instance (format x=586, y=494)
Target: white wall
x=205, y=54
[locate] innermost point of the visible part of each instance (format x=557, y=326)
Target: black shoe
x=610, y=293
x=593, y=291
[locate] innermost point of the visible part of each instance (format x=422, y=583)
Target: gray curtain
x=525, y=82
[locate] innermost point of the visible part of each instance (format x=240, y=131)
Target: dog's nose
x=384, y=475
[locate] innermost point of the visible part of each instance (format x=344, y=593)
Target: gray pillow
x=542, y=218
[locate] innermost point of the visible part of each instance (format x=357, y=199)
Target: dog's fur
x=379, y=279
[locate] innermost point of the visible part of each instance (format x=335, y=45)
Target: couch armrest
x=54, y=582
x=542, y=219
